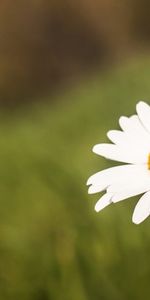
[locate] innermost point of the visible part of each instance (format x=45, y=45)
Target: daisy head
x=130, y=145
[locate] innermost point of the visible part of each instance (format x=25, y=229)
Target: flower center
x=148, y=162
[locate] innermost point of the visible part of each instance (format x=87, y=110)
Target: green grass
x=52, y=243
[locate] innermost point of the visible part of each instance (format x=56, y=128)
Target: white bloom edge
x=133, y=177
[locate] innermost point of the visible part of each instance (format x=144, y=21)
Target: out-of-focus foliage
x=44, y=44
x=52, y=243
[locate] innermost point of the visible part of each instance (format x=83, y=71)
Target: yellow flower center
x=148, y=162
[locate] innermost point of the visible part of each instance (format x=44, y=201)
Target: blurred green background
x=68, y=70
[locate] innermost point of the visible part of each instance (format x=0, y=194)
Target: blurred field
x=45, y=45
x=52, y=243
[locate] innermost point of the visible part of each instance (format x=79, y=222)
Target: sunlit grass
x=52, y=243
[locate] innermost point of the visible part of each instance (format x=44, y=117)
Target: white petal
x=135, y=132
x=104, y=201
x=137, y=128
x=108, y=174
x=133, y=124
x=118, y=174
x=142, y=209
x=122, y=154
x=135, y=138
x=116, y=136
x=123, y=122
x=129, y=190
x=143, y=110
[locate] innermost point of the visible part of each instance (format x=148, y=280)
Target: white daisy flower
x=131, y=145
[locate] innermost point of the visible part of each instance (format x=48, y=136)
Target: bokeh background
x=68, y=70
